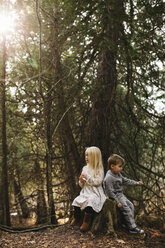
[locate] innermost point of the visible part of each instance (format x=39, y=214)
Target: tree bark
x=41, y=208
x=5, y=196
x=41, y=202
x=48, y=126
x=21, y=199
x=106, y=220
x=103, y=103
x=71, y=152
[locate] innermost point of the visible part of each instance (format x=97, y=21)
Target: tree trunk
x=48, y=119
x=103, y=103
x=20, y=197
x=102, y=110
x=48, y=129
x=41, y=202
x=70, y=150
x=41, y=207
x=106, y=220
x=5, y=196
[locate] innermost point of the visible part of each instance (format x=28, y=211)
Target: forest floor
x=65, y=236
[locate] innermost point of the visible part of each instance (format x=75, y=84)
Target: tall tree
x=5, y=194
x=111, y=18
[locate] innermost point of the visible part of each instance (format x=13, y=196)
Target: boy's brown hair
x=114, y=159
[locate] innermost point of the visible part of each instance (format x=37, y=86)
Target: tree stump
x=106, y=220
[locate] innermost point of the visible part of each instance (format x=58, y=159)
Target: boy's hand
x=119, y=205
x=139, y=183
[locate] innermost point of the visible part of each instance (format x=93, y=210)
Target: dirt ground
x=65, y=236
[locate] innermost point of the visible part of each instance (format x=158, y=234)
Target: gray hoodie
x=113, y=184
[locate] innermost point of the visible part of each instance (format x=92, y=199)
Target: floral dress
x=92, y=194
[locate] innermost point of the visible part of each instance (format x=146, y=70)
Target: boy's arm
x=127, y=181
x=109, y=189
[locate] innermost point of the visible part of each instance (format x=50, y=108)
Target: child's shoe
x=77, y=216
x=75, y=221
x=86, y=222
x=136, y=230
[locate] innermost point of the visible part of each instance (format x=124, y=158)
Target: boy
x=113, y=187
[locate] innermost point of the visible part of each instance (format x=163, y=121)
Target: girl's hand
x=119, y=205
x=139, y=183
x=82, y=178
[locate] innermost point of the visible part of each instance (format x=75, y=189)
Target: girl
x=92, y=197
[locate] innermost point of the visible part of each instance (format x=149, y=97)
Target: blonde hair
x=95, y=160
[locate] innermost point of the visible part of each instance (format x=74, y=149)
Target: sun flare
x=7, y=23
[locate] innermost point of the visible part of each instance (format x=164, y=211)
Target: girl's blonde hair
x=95, y=160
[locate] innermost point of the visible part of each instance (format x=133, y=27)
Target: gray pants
x=127, y=210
